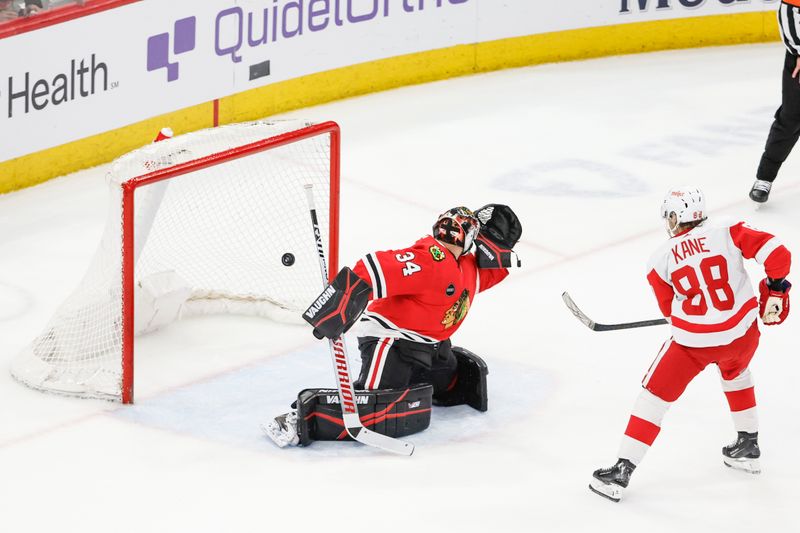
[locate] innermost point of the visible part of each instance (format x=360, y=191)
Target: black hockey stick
x=594, y=326
x=341, y=366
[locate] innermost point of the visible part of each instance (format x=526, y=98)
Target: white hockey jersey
x=699, y=280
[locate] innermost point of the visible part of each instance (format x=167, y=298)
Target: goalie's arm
x=338, y=307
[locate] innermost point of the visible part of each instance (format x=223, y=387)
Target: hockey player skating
x=418, y=298
x=701, y=286
x=785, y=128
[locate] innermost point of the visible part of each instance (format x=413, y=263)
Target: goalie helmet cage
x=215, y=220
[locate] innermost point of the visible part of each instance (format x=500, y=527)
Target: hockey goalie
x=406, y=304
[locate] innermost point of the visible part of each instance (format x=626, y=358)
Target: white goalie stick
x=341, y=366
x=594, y=326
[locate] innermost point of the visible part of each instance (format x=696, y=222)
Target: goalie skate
x=282, y=430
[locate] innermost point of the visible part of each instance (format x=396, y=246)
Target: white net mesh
x=234, y=237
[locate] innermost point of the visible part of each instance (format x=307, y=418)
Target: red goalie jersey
x=421, y=293
x=700, y=282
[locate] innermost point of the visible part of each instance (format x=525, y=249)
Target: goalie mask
x=458, y=226
x=688, y=204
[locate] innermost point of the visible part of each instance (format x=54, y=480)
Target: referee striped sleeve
x=788, y=19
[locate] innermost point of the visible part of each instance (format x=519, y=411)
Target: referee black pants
x=786, y=128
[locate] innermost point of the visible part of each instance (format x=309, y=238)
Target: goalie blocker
x=339, y=306
x=392, y=412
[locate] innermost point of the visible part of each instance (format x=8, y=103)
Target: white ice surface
x=583, y=152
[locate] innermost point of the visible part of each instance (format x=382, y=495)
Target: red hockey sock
x=643, y=426
x=741, y=397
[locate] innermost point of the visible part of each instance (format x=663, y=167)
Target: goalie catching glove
x=773, y=300
x=500, y=232
x=339, y=306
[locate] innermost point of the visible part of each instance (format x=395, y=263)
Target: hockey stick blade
x=576, y=311
x=594, y=326
x=378, y=440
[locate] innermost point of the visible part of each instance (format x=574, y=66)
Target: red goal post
x=217, y=223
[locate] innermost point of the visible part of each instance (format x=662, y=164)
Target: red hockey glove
x=773, y=300
x=339, y=306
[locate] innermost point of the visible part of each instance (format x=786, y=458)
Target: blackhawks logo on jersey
x=456, y=314
x=436, y=253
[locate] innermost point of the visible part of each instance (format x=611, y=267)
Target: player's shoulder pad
x=659, y=258
x=722, y=222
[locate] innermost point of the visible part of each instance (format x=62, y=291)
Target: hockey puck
x=287, y=259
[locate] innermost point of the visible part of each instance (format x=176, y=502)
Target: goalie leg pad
x=391, y=412
x=469, y=384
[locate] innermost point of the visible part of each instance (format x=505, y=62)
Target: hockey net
x=215, y=221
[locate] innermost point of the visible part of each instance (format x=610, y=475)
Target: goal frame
x=130, y=187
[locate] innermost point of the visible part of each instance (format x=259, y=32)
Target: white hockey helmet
x=687, y=202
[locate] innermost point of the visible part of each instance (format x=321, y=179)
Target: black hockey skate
x=611, y=482
x=760, y=191
x=744, y=453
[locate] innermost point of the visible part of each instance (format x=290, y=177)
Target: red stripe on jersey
x=748, y=240
x=361, y=271
x=741, y=399
x=642, y=430
x=733, y=321
x=663, y=291
x=379, y=354
x=778, y=263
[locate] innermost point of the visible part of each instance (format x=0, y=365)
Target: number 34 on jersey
x=410, y=267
